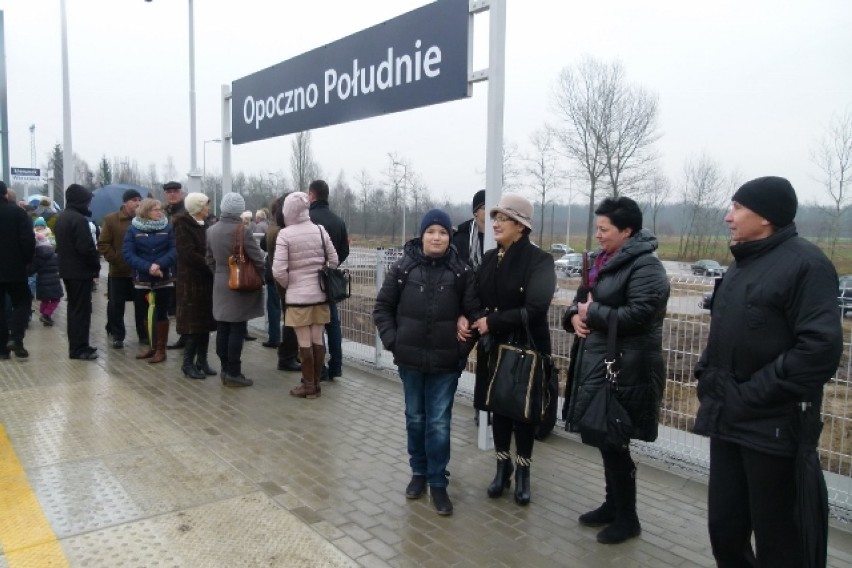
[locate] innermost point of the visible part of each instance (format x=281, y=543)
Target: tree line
x=601, y=141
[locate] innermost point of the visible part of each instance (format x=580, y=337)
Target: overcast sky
x=751, y=84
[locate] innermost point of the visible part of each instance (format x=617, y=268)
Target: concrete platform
x=120, y=463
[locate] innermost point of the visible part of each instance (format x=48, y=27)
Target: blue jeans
x=428, y=413
x=335, y=340
x=273, y=313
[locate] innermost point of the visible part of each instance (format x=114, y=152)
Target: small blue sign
x=414, y=60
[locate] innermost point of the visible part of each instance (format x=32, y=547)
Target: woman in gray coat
x=232, y=308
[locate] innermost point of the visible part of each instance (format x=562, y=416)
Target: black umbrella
x=811, y=493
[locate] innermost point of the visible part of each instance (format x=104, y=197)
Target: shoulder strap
x=322, y=238
x=611, y=346
x=238, y=241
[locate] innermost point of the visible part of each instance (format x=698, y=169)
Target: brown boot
x=162, y=338
x=319, y=361
x=308, y=387
x=147, y=354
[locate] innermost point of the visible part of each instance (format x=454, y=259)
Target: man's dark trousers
x=78, y=314
x=121, y=291
x=20, y=300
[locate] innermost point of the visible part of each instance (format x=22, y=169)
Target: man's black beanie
x=773, y=198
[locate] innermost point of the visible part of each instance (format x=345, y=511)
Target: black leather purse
x=606, y=424
x=519, y=379
x=335, y=282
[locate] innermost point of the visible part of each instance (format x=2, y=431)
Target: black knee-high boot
x=189, y=352
x=604, y=514
x=626, y=524
x=201, y=355
x=522, y=481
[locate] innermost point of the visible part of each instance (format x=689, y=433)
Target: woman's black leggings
x=229, y=345
x=502, y=429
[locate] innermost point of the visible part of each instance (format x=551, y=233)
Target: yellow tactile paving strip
x=25, y=534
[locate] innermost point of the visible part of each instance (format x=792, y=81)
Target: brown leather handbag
x=242, y=273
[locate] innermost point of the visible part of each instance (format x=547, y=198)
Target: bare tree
x=125, y=170
x=833, y=157
x=542, y=168
x=511, y=170
x=580, y=100
x=704, y=191
x=608, y=127
x=365, y=183
x=397, y=185
x=169, y=169
x=303, y=169
x=655, y=191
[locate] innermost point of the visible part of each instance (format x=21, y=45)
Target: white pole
x=494, y=140
x=226, y=140
x=67, y=150
x=193, y=145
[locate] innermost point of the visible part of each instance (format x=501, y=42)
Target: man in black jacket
x=79, y=265
x=775, y=340
x=468, y=238
x=336, y=228
x=173, y=191
x=18, y=238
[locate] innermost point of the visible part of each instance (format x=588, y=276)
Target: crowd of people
x=775, y=338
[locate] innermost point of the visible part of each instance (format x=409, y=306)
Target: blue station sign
x=415, y=60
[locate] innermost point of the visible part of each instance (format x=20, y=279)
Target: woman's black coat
x=635, y=285
x=525, y=278
x=418, y=306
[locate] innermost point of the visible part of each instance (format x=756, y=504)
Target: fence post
x=380, y=277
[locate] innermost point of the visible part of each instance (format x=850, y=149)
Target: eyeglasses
x=501, y=219
x=156, y=209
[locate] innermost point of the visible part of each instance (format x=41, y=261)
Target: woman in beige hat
x=517, y=275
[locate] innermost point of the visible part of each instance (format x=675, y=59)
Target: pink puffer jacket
x=298, y=253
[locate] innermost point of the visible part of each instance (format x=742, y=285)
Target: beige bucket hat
x=515, y=206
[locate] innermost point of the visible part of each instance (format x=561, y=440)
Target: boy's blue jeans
x=428, y=413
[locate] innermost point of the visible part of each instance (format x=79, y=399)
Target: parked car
x=707, y=268
x=559, y=248
x=706, y=301
x=844, y=294
x=570, y=264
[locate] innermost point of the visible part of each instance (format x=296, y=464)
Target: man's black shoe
x=19, y=351
x=85, y=356
x=249, y=337
x=179, y=344
x=272, y=344
x=5, y=355
x=290, y=365
x=334, y=373
x=118, y=344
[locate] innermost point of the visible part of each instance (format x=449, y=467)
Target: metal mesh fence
x=685, y=334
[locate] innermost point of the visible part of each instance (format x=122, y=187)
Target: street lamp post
x=204, y=171
x=193, y=144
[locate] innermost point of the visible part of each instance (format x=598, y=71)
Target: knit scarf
x=150, y=225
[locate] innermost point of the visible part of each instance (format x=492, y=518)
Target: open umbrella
x=108, y=199
x=811, y=493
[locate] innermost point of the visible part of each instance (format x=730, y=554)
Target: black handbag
x=606, y=424
x=335, y=282
x=519, y=380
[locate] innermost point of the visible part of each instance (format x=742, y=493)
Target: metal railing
x=685, y=331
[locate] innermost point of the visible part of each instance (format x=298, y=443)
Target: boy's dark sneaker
x=46, y=320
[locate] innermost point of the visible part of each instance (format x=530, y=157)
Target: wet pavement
x=120, y=463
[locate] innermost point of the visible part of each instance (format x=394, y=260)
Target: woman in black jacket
x=416, y=312
x=625, y=278
x=516, y=275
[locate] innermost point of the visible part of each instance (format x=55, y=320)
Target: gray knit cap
x=233, y=204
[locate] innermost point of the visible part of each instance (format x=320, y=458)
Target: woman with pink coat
x=299, y=257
